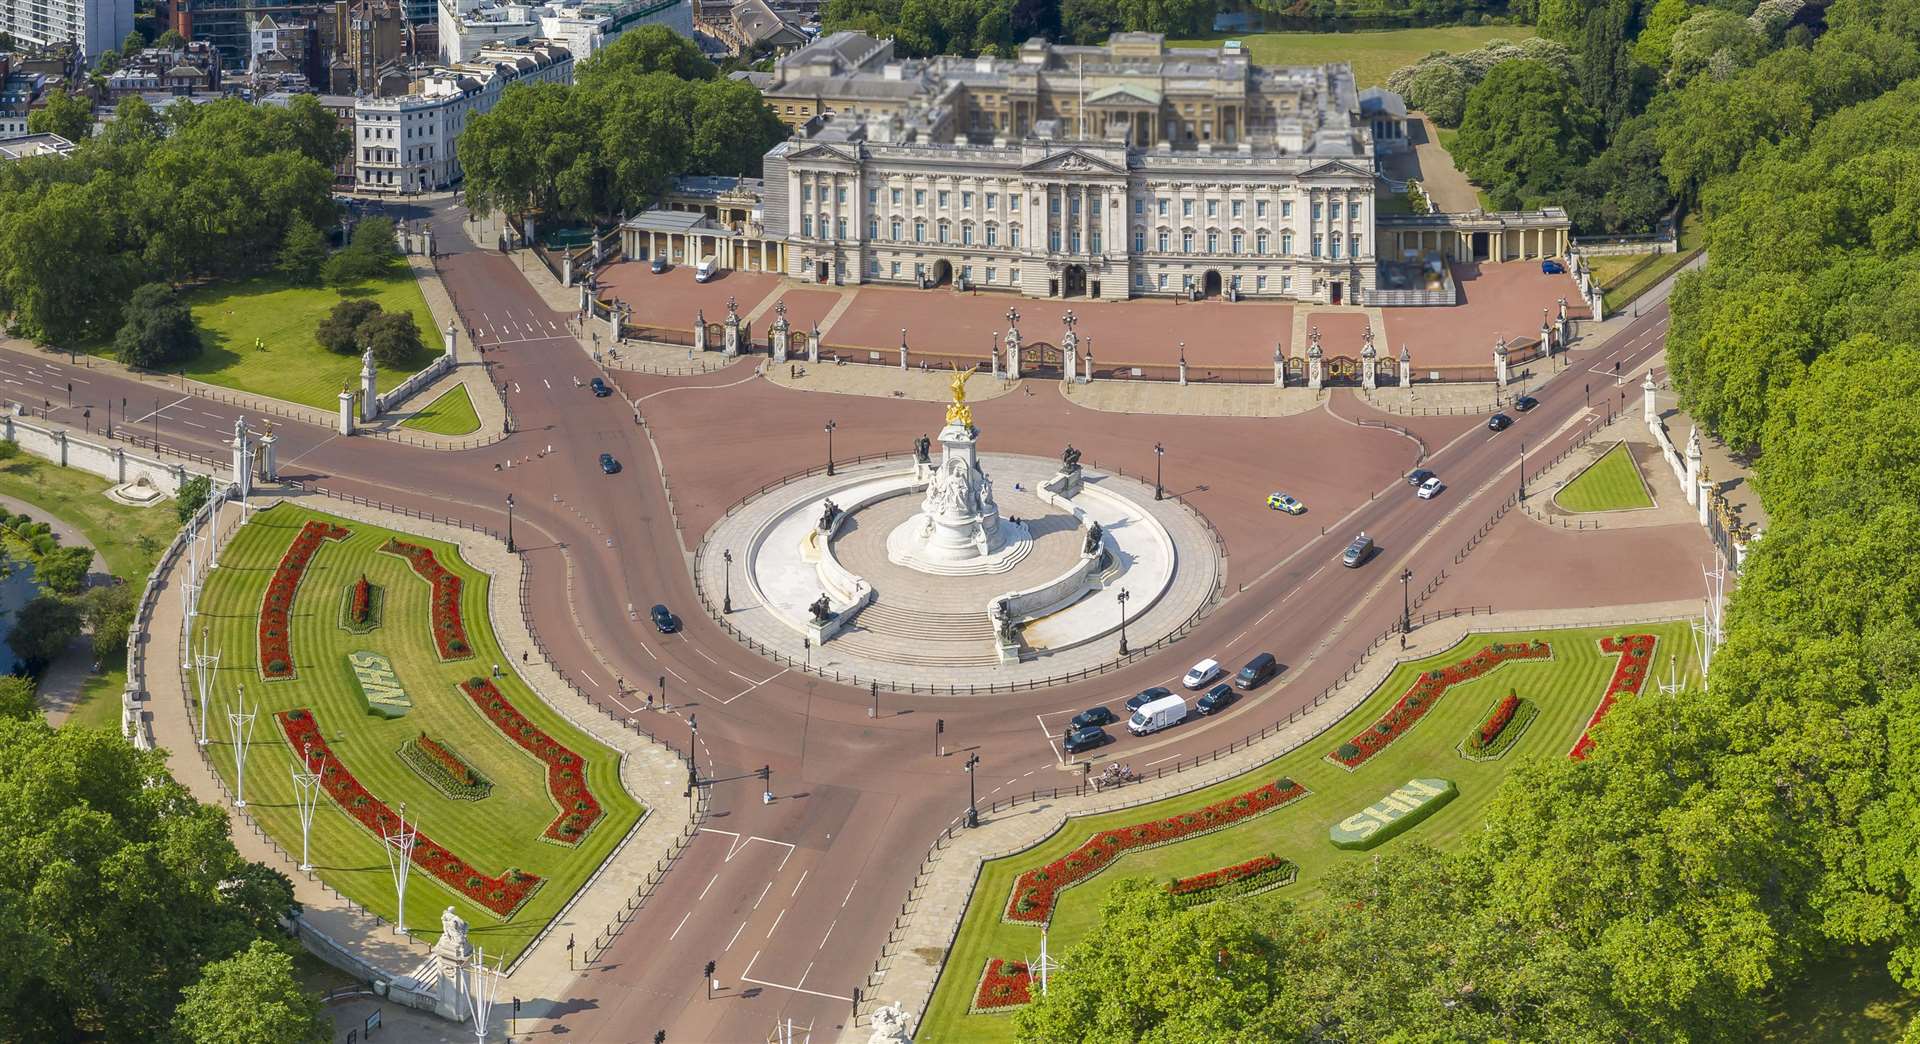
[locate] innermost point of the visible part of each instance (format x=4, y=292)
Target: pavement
x=1433, y=166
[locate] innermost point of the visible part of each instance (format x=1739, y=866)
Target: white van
x=707, y=269
x=1152, y=717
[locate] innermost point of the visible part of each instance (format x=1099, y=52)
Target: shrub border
x=1504, y=743
x=1395, y=828
x=376, y=607
x=428, y=768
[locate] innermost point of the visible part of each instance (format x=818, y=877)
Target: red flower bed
x=276, y=609
x=1636, y=655
x=1424, y=693
x=1006, y=984
x=502, y=895
x=460, y=771
x=1497, y=722
x=566, y=780
x=449, y=632
x=1034, y=892
x=1226, y=875
x=362, y=604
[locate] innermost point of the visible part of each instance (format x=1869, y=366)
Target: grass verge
x=1846, y=999
x=450, y=414
x=500, y=832
x=1612, y=483
x=1373, y=53
x=1692, y=238
x=1566, y=689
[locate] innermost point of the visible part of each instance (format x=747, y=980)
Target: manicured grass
x=1607, y=268
x=1692, y=237
x=129, y=538
x=1374, y=53
x=291, y=365
x=502, y=831
x=1846, y=999
x=1566, y=689
x=1612, y=483
x=450, y=414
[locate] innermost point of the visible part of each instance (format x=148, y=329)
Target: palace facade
x=1120, y=171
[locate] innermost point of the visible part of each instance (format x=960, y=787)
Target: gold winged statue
x=958, y=412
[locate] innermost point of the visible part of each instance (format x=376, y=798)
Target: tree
x=341, y=331
x=1525, y=131
x=170, y=40
x=1621, y=190
x=394, y=338
x=192, y=495
x=251, y=996
x=158, y=329
x=303, y=253
x=732, y=128
x=351, y=267
x=133, y=42
x=42, y=630
x=375, y=237
x=107, y=611
x=646, y=49
x=65, y=114
x=17, y=697
x=134, y=122
x=1092, y=21
x=64, y=570
x=1708, y=34
x=1439, y=90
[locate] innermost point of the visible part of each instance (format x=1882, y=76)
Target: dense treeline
x=209, y=190
x=1717, y=842
x=643, y=110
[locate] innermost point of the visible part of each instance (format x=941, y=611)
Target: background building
x=405, y=144
x=581, y=26
x=94, y=26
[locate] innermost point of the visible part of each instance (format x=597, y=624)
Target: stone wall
x=107, y=461
x=389, y=400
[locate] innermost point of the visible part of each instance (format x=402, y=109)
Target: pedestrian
x=496, y=670
x=523, y=656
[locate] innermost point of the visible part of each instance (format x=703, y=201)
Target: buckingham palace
x=1128, y=170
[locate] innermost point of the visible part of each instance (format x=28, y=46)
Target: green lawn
x=1566, y=688
x=450, y=414
x=493, y=834
x=1692, y=237
x=1607, y=268
x=1846, y=999
x=1612, y=483
x=291, y=365
x=1374, y=53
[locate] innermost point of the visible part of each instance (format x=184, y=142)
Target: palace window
x=919, y=197
x=1333, y=210
x=966, y=234
x=1162, y=283
x=806, y=225
x=942, y=232
x=840, y=195
x=894, y=231
x=1260, y=208
x=1013, y=276
x=1259, y=284
x=943, y=199
x=1237, y=206
x=1336, y=244
x=966, y=201
x=1286, y=284
x=1093, y=241
x=1286, y=242
x=1053, y=204
x=873, y=267
x=1316, y=244
x=873, y=228
x=896, y=197
x=1213, y=241
x=1213, y=208
x=1186, y=208
x=1053, y=240
x=1013, y=203
x=920, y=231
x=1356, y=244
x=894, y=269
x=1259, y=242
x=993, y=201
x=873, y=197
x=1162, y=206
x=1286, y=208
x=1139, y=241
x=1139, y=206
x=993, y=236
x=1238, y=239
x=1013, y=236
x=1316, y=210
x=1163, y=241
x=840, y=228
x=990, y=275
x=1073, y=205
x=806, y=193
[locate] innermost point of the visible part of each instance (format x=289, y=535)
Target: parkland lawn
x=450, y=414
x=1566, y=689
x=291, y=365
x=1373, y=53
x=493, y=834
x=1612, y=483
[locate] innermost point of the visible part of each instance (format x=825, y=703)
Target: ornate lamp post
x=1523, y=471
x=830, y=426
x=1123, y=620
x=1406, y=605
x=726, y=581
x=510, y=547
x=1159, y=451
x=973, y=807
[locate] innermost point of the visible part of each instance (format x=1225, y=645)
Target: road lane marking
x=843, y=902
x=829, y=935
x=776, y=923
x=682, y=924
x=549, y=385
x=708, y=888
x=1157, y=761
x=704, y=656
x=735, y=939
x=804, y=974
x=747, y=976
x=797, y=884
x=763, y=894
x=589, y=678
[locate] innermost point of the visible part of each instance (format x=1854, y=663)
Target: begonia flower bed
x=1629, y=675
x=449, y=630
x=1005, y=984
x=1424, y=693
x=276, y=607
x=1255, y=875
x=566, y=782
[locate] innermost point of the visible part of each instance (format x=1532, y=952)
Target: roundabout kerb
x=1162, y=609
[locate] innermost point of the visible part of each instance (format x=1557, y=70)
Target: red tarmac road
x=793, y=899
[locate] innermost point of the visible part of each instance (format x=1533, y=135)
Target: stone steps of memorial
x=923, y=625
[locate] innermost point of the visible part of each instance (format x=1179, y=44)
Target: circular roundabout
x=958, y=571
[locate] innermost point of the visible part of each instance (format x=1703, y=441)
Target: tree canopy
x=1526, y=129
x=250, y=997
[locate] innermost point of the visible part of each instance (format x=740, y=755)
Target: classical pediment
x=1336, y=169
x=822, y=154
x=1072, y=161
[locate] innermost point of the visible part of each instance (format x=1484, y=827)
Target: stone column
x=777, y=333
x=346, y=412
x=1183, y=364
x=269, y=460
x=1651, y=411
x=903, y=348
x=1369, y=367
x=1279, y=368
x=566, y=271
x=1546, y=335
x=700, y=330
x=730, y=332
x=119, y=465
x=1500, y=362
x=452, y=340
x=813, y=344
x=1706, y=500
x=1087, y=366
x=1314, y=377
x=1406, y=369
x=369, y=388
x=993, y=357
x=1693, y=466
x=242, y=472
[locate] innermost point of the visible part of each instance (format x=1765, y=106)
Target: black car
x=1217, y=698
x=1525, y=403
x=600, y=387
x=1257, y=670
x=663, y=621
x=659, y=265
x=1146, y=696
x=608, y=464
x=1499, y=422
x=1095, y=716
x=1417, y=476
x=1085, y=739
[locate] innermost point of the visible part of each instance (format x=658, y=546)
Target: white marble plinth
x=922, y=544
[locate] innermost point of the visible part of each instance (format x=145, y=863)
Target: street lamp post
x=1406, y=606
x=830, y=426
x=973, y=808
x=1158, y=452
x=874, y=712
x=1523, y=471
x=510, y=547
x=726, y=581
x=1123, y=620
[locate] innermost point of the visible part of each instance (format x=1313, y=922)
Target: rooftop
x=34, y=145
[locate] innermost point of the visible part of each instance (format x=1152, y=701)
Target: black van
x=1257, y=670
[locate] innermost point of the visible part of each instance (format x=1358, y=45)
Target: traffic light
x=766, y=772
x=939, y=726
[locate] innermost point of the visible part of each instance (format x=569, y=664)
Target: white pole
x=399, y=846
x=204, y=664
x=306, y=791
x=240, y=726
x=483, y=992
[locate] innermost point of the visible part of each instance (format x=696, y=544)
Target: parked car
x=608, y=464
x=1357, y=552
x=600, y=387
x=1152, y=717
x=1091, y=717
x=1417, y=476
x=1257, y=670
x=1549, y=266
x=1085, y=739
x=1202, y=673
x=1431, y=488
x=1282, y=502
x=658, y=265
x=1220, y=697
x=1146, y=696
x=1499, y=422
x=663, y=620
x=1525, y=403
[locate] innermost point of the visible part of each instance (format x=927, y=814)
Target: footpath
x=342, y=932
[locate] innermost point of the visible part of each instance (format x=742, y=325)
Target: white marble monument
x=958, y=529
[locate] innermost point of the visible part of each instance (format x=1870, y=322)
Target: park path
x=60, y=688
